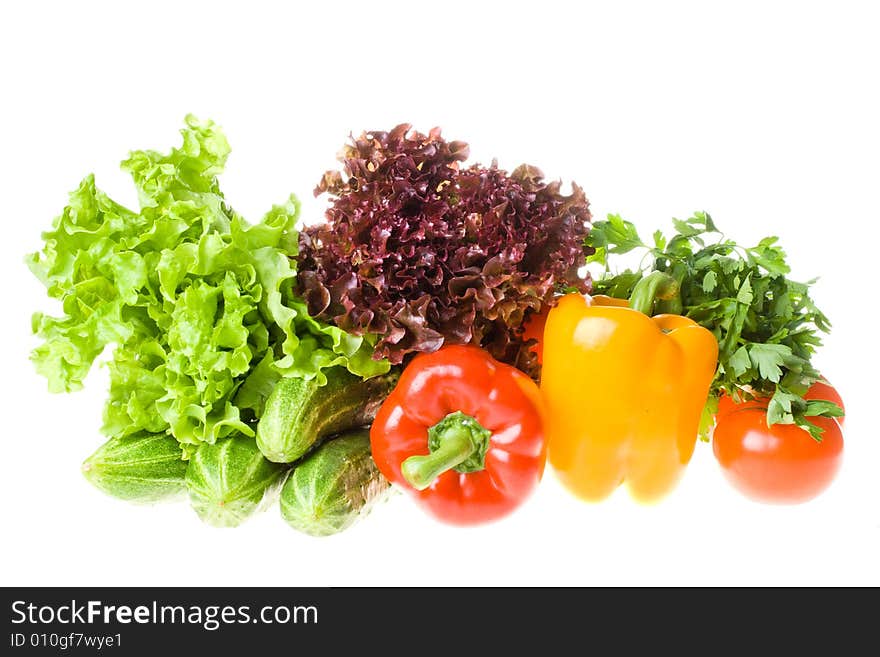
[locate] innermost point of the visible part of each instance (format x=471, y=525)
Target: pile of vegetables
x=200, y=310
x=436, y=334
x=770, y=413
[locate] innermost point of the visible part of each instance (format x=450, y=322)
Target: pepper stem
x=457, y=442
x=421, y=471
x=655, y=286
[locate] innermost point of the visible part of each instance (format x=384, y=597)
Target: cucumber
x=299, y=413
x=142, y=468
x=334, y=486
x=230, y=480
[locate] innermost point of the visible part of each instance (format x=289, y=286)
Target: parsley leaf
x=740, y=361
x=710, y=280
x=769, y=359
x=615, y=235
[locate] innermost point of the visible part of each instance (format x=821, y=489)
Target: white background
x=765, y=114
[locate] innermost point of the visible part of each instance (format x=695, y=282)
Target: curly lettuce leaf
x=194, y=299
x=424, y=251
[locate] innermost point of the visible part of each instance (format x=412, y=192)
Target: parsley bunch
x=767, y=326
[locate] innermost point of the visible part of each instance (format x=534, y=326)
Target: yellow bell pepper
x=624, y=391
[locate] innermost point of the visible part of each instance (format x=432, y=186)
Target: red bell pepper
x=463, y=434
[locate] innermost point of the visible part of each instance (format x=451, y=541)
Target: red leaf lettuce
x=421, y=251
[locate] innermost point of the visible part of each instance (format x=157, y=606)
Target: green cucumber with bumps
x=142, y=468
x=230, y=480
x=334, y=486
x=299, y=413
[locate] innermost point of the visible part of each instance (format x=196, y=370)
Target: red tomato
x=780, y=464
x=824, y=390
x=533, y=327
x=534, y=330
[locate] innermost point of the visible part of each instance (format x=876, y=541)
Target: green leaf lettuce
x=194, y=299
